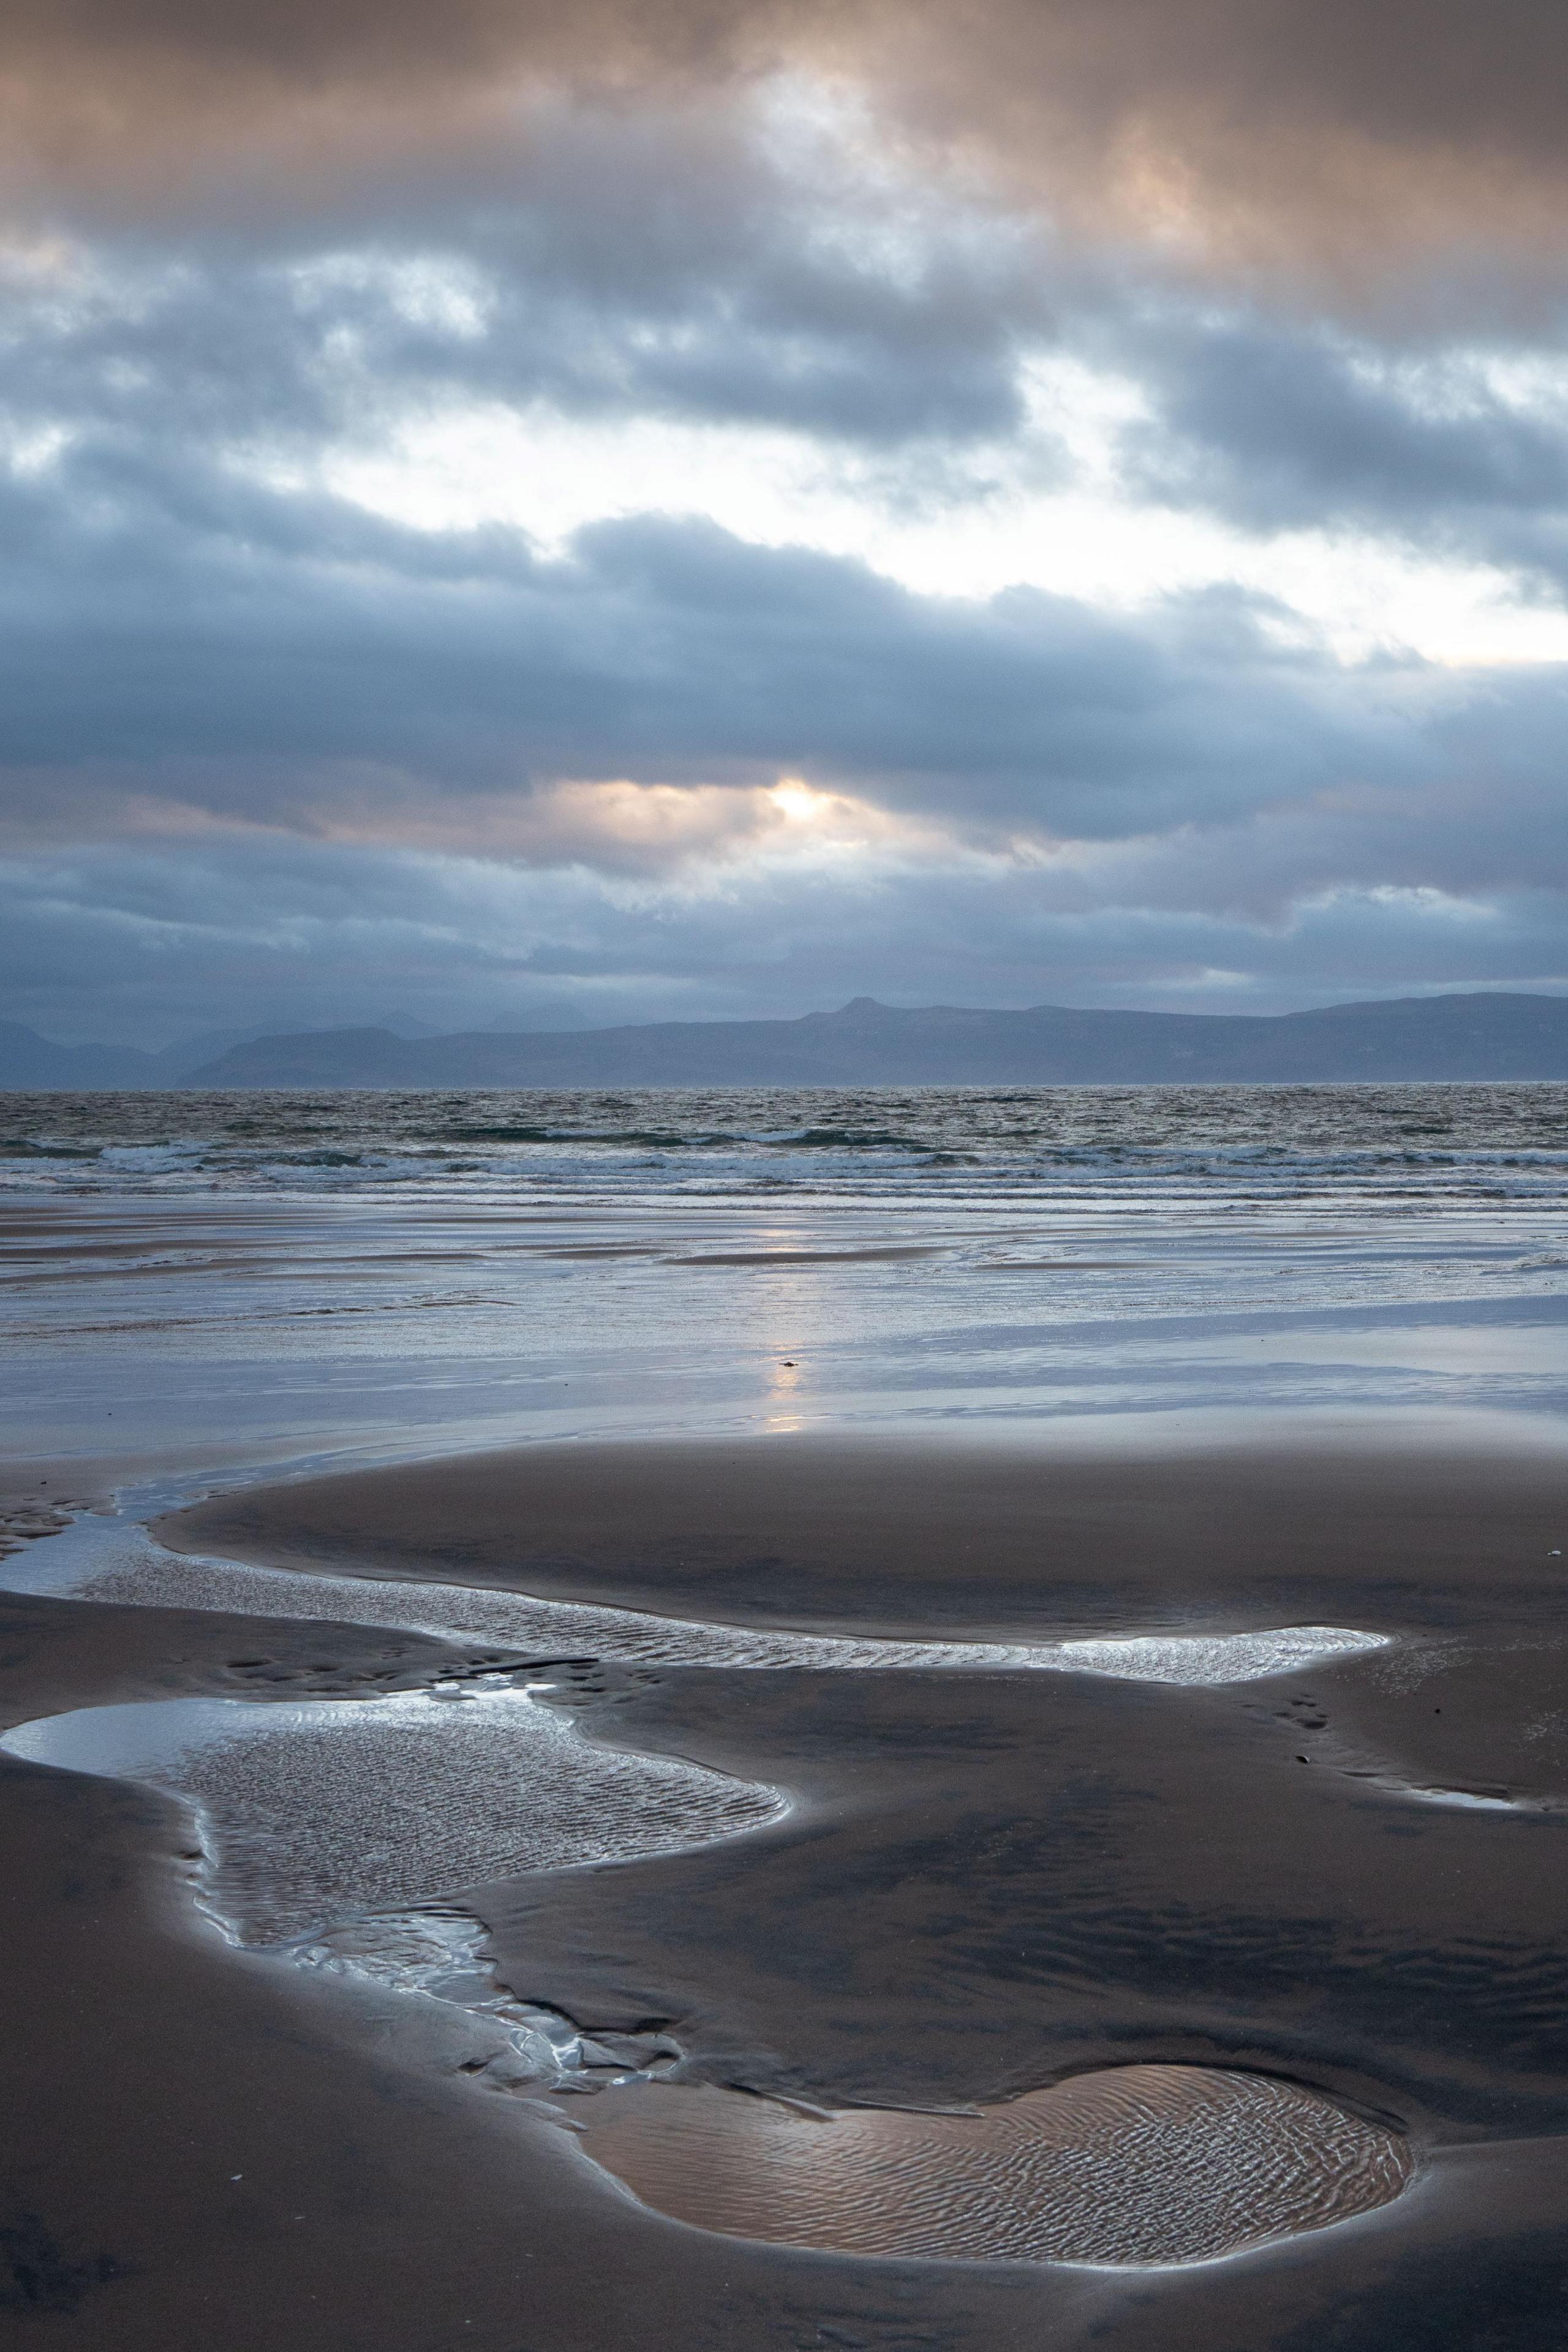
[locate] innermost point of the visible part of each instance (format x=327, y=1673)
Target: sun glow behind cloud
x=729, y=548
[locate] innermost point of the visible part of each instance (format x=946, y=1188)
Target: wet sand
x=1151, y=2165
x=986, y=1885
x=923, y=1534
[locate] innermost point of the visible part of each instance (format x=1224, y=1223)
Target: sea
x=316, y=1277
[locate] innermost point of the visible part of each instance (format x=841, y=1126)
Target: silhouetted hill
x=30, y=1063
x=27, y=1060
x=1484, y=1036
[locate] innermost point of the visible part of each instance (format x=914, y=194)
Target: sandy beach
x=1052, y=1875
x=783, y=1176
x=652, y=1862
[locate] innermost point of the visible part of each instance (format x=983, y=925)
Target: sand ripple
x=318, y=1812
x=1136, y=2164
x=586, y=1629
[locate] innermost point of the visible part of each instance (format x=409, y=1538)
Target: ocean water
x=355, y=1272
x=1148, y=1150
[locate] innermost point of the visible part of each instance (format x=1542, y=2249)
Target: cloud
x=149, y=941
x=678, y=262
x=834, y=361
x=1232, y=133
x=277, y=756
x=1277, y=428
x=210, y=635
x=269, y=748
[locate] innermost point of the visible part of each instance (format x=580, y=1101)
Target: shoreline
x=988, y=1883
x=891, y=1534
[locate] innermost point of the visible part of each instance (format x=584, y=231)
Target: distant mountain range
x=1483, y=1035
x=30, y=1062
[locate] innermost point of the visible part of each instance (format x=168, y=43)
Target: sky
x=540, y=517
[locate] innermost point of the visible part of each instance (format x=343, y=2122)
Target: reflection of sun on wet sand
x=1134, y=2164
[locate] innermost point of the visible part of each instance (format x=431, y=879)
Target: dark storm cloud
x=157, y=614
x=1266, y=132
x=266, y=754
x=663, y=263
x=1257, y=126
x=1426, y=66
x=303, y=41
x=227, y=676
x=155, y=940
x=1278, y=427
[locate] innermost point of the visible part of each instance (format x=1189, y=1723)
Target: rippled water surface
x=542, y=1264
x=965, y=1146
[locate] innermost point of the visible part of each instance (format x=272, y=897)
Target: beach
x=783, y=1177
x=555, y=1716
